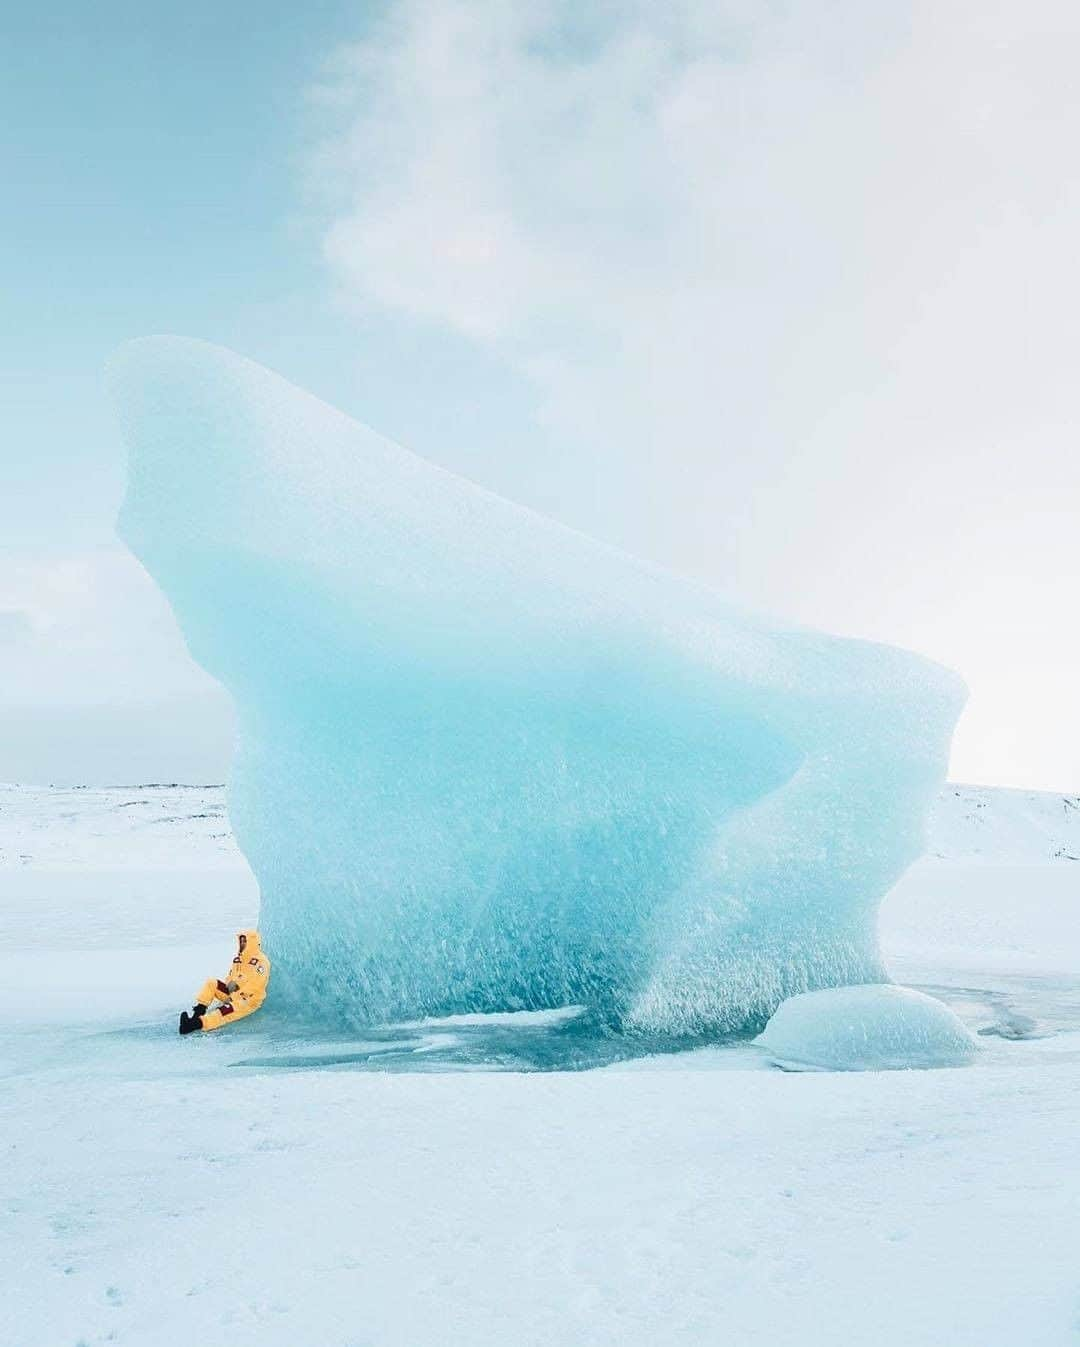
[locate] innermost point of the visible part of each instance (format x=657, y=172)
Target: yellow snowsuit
x=243, y=991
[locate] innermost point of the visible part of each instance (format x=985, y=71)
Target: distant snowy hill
x=119, y=827
x=90, y=868
x=165, y=826
x=85, y=868
x=984, y=825
x=997, y=894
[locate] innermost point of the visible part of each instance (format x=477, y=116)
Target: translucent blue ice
x=877, y=1028
x=488, y=763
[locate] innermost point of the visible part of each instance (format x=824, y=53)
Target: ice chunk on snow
x=486, y=763
x=871, y=1028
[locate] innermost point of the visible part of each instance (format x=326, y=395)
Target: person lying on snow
x=242, y=993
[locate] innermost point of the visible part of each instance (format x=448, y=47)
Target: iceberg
x=874, y=1028
x=486, y=763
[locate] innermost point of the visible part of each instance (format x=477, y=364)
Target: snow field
x=151, y=1191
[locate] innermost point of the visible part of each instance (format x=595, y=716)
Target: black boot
x=189, y=1023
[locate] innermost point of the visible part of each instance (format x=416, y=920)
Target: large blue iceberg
x=487, y=763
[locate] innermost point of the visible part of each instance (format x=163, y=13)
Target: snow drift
x=487, y=763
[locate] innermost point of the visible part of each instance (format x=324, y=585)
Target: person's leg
x=235, y=1010
x=207, y=992
x=212, y=989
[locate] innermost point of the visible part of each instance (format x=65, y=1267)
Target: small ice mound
x=876, y=1027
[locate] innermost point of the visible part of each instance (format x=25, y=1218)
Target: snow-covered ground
x=253, y=1188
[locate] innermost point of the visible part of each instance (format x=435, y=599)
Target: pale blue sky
x=154, y=171
x=784, y=296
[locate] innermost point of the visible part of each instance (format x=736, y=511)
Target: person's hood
x=252, y=945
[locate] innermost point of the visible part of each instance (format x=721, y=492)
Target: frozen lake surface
x=446, y=1183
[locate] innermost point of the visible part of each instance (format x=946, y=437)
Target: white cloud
x=798, y=280
x=16, y=626
x=95, y=682
x=89, y=628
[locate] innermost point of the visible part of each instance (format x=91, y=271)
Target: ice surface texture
x=488, y=763
x=879, y=1028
